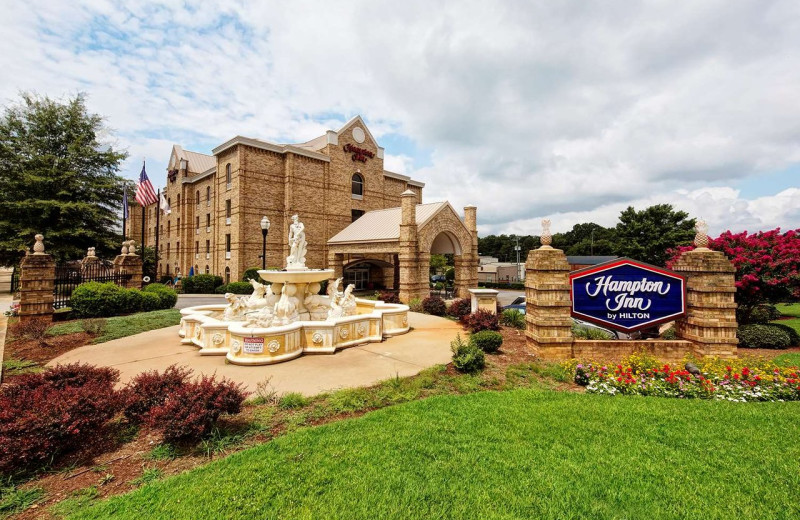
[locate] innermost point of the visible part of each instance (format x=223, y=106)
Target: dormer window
x=358, y=186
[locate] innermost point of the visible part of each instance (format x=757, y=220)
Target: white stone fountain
x=286, y=316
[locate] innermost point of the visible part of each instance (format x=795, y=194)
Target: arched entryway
x=368, y=274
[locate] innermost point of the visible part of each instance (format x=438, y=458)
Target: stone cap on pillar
x=408, y=193
x=38, y=246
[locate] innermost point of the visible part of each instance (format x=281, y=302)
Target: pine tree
x=57, y=178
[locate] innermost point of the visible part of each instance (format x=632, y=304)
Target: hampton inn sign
x=627, y=295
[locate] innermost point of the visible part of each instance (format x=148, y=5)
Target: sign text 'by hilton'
x=627, y=295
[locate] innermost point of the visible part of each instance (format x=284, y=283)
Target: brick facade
x=314, y=180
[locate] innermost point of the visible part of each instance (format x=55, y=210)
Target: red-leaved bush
x=389, y=297
x=480, y=320
x=767, y=266
x=460, y=308
x=44, y=415
x=434, y=305
x=190, y=411
x=150, y=389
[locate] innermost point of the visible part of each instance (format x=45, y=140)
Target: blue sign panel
x=627, y=295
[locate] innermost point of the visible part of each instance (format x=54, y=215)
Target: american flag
x=145, y=194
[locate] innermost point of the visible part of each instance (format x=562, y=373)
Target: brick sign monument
x=707, y=326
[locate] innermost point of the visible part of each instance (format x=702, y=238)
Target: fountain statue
x=297, y=245
x=286, y=315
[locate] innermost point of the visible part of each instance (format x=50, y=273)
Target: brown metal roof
x=383, y=225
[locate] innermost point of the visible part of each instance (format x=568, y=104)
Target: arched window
x=208, y=195
x=358, y=186
x=228, y=174
x=227, y=275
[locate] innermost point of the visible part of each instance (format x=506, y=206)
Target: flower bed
x=740, y=380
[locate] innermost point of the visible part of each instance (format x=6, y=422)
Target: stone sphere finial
x=131, y=247
x=124, y=248
x=701, y=237
x=546, y=238
x=38, y=246
x=90, y=252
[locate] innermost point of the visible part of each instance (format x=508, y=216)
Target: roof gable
x=383, y=225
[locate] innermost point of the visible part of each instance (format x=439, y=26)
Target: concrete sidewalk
x=426, y=345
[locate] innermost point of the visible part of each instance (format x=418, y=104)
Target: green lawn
x=121, y=326
x=520, y=454
x=789, y=309
x=789, y=359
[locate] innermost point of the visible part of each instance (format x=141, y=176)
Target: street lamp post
x=264, y=231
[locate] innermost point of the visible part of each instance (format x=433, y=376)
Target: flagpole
x=144, y=216
x=158, y=225
x=124, y=211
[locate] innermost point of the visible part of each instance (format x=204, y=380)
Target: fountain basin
x=203, y=327
x=296, y=276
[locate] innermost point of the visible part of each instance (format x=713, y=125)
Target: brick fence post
x=710, y=321
x=36, y=284
x=547, y=310
x=128, y=262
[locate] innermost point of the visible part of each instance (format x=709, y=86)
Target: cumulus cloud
x=526, y=109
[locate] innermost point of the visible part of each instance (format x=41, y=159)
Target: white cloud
x=526, y=109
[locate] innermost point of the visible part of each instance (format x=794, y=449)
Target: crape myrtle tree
x=767, y=266
x=647, y=235
x=57, y=178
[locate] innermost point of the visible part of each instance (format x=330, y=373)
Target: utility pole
x=517, y=249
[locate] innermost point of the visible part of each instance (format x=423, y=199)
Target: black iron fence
x=68, y=277
x=14, y=280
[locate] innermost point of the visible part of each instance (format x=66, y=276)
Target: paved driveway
x=426, y=345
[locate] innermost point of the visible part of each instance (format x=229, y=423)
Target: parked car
x=438, y=278
x=519, y=305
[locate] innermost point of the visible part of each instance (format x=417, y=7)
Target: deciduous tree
x=647, y=235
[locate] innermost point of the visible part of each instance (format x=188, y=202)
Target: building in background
x=217, y=201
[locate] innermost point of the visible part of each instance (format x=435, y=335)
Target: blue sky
x=529, y=110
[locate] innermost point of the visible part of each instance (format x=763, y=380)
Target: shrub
x=389, y=297
x=35, y=329
x=238, y=288
x=46, y=414
x=150, y=389
x=513, y=318
x=148, y=301
x=165, y=279
x=415, y=305
x=480, y=320
x=488, y=341
x=794, y=337
x=95, y=300
x=191, y=410
x=251, y=273
x=94, y=326
x=763, y=336
x=201, y=283
x=459, y=308
x=167, y=296
x=670, y=333
x=434, y=305
x=467, y=357
x=761, y=314
x=593, y=333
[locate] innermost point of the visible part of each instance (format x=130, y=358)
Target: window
x=169, y=202
x=178, y=225
x=207, y=271
x=228, y=209
x=179, y=199
x=358, y=186
x=208, y=195
x=355, y=214
x=228, y=175
x=197, y=247
x=208, y=220
x=168, y=227
x=168, y=250
x=228, y=243
x=227, y=275
x=197, y=223
x=208, y=246
x=177, y=248
x=197, y=197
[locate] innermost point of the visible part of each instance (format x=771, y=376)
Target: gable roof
x=196, y=162
x=383, y=225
